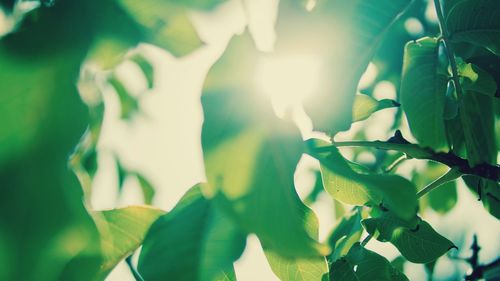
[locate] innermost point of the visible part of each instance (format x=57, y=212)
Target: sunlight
x=288, y=80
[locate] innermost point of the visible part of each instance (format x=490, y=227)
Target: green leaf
x=344, y=184
x=148, y=191
x=146, y=67
x=488, y=192
x=365, y=106
x=423, y=91
x=474, y=21
x=122, y=232
x=129, y=104
x=164, y=24
x=443, y=198
x=417, y=241
x=360, y=25
x=49, y=233
x=361, y=264
x=198, y=4
x=299, y=269
x=477, y=116
x=250, y=159
x=195, y=241
x=475, y=79
x=345, y=234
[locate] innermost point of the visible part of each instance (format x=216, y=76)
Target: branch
x=398, y=143
x=478, y=270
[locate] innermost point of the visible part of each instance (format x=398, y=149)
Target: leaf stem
x=366, y=240
x=451, y=175
x=445, y=36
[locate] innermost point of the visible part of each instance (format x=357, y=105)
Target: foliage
x=448, y=94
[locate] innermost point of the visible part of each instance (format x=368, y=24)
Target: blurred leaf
x=361, y=25
x=195, y=241
x=365, y=106
x=146, y=67
x=346, y=185
x=299, y=269
x=443, y=198
x=362, y=264
x=164, y=24
x=474, y=21
x=50, y=235
x=129, y=104
x=417, y=241
x=488, y=192
x=423, y=90
x=250, y=159
x=399, y=263
x=122, y=232
x=476, y=80
x=345, y=234
x=148, y=191
x=198, y=4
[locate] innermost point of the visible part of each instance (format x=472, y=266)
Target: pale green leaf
x=164, y=24
x=423, y=91
x=347, y=186
x=365, y=106
x=122, y=232
x=345, y=234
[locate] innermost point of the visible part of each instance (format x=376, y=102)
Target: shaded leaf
x=362, y=264
x=417, y=241
x=345, y=234
x=423, y=91
x=443, y=198
x=195, y=241
x=474, y=21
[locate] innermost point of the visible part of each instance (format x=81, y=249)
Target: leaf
x=443, y=198
x=345, y=234
x=477, y=116
x=146, y=67
x=347, y=186
x=423, y=91
x=129, y=104
x=147, y=188
x=474, y=21
x=250, y=159
x=195, y=241
x=488, y=191
x=49, y=233
x=417, y=241
x=122, y=232
x=362, y=264
x=299, y=269
x=164, y=24
x=365, y=106
x=361, y=26
x=198, y=4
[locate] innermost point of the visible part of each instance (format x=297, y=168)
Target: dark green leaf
x=344, y=235
x=195, y=241
x=423, y=91
x=417, y=241
x=474, y=21
x=362, y=264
